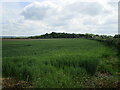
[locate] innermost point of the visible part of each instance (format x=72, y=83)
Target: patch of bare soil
x=102, y=80
x=12, y=83
x=0, y=83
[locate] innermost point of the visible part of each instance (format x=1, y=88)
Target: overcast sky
x=72, y=16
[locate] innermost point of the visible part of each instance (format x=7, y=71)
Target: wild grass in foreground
x=61, y=63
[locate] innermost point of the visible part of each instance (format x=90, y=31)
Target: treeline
x=68, y=35
x=110, y=40
x=59, y=35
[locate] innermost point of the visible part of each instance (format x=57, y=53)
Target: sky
x=30, y=17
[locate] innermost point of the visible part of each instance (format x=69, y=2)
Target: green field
x=60, y=63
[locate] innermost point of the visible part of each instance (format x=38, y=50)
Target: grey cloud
x=113, y=3
x=88, y=8
x=35, y=11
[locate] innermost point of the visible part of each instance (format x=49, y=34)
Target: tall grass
x=56, y=63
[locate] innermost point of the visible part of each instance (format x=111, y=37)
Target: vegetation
x=110, y=40
x=61, y=63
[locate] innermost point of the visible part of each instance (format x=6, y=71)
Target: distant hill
x=7, y=36
x=13, y=37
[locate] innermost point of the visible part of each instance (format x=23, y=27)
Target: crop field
x=60, y=63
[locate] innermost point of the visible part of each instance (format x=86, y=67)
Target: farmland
x=60, y=63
